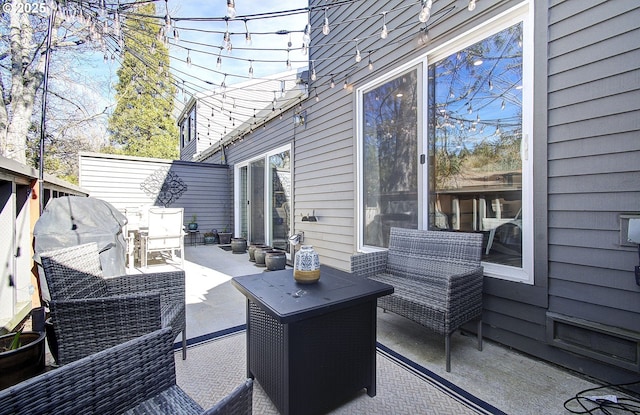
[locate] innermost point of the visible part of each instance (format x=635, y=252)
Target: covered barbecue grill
x=73, y=220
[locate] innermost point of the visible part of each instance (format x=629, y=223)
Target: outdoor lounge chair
x=90, y=312
x=134, y=377
x=436, y=275
x=165, y=233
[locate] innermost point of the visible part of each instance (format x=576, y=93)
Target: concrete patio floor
x=513, y=382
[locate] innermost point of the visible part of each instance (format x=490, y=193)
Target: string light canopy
x=236, y=43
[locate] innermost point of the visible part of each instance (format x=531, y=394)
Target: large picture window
x=443, y=144
x=475, y=138
x=389, y=159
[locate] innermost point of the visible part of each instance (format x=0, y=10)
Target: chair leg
x=447, y=351
x=184, y=344
x=480, y=334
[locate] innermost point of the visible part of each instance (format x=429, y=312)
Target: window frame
x=521, y=13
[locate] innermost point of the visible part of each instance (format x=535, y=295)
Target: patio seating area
x=511, y=381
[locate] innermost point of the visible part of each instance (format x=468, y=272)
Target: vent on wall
x=607, y=344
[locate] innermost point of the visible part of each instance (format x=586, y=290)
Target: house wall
x=593, y=169
x=118, y=180
x=582, y=311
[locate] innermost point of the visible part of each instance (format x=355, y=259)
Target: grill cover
x=74, y=220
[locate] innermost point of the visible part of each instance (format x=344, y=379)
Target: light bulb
x=248, y=35
x=358, y=56
x=325, y=28
x=425, y=12
x=219, y=62
x=250, y=71
x=385, y=32
x=313, y=75
x=306, y=37
x=472, y=5
x=370, y=65
x=333, y=84
x=188, y=60
x=231, y=9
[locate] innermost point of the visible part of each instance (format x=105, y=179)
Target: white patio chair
x=164, y=234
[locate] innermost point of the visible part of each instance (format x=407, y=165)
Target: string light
x=384, y=33
x=325, y=28
x=227, y=39
x=247, y=35
x=231, y=9
x=306, y=37
x=425, y=11
x=472, y=5
x=162, y=35
x=333, y=84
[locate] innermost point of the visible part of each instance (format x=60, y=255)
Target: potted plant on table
x=193, y=225
x=21, y=356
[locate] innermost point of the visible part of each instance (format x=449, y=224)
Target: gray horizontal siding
x=594, y=176
x=117, y=180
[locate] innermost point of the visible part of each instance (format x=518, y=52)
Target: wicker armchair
x=91, y=313
x=134, y=377
x=437, y=278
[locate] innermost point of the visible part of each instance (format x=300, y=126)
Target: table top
x=278, y=294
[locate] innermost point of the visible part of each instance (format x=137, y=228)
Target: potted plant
x=238, y=245
x=193, y=225
x=209, y=238
x=225, y=236
x=21, y=356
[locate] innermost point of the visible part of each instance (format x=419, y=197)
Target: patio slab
x=511, y=381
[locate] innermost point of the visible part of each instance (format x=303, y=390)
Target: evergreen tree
x=142, y=123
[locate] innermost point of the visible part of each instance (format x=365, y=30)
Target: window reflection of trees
x=390, y=158
x=475, y=132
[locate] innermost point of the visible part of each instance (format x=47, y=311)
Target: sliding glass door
x=263, y=201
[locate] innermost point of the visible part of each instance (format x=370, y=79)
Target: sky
x=204, y=48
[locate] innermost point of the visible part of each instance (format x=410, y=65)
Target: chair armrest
x=238, y=402
x=465, y=295
x=86, y=326
x=369, y=264
x=170, y=285
x=108, y=382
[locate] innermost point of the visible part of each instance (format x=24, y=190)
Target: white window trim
x=520, y=13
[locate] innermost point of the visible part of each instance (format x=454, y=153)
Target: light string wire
x=193, y=88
